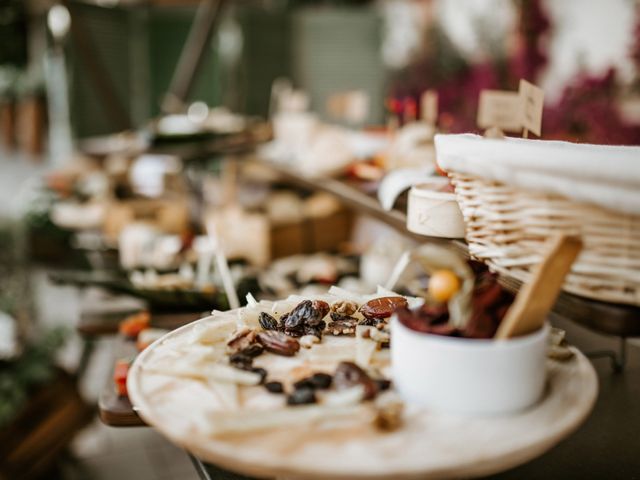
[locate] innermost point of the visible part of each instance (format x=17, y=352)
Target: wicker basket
x=506, y=227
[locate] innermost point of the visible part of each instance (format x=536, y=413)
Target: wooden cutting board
x=429, y=445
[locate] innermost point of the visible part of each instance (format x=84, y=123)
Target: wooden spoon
x=536, y=298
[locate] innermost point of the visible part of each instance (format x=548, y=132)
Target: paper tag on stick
x=352, y=106
x=532, y=99
x=501, y=109
x=429, y=107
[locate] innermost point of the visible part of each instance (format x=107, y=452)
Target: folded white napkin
x=608, y=176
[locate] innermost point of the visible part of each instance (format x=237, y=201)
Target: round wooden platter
x=428, y=445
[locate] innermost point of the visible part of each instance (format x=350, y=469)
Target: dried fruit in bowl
x=489, y=304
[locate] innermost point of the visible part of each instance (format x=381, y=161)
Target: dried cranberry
x=412, y=321
x=486, y=296
x=481, y=325
x=445, y=329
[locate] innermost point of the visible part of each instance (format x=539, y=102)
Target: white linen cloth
x=608, y=176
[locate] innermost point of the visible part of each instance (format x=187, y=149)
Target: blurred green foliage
x=13, y=32
x=34, y=367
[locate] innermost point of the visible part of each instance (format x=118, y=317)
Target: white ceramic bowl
x=468, y=376
x=434, y=213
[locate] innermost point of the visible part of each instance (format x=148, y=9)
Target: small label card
x=500, y=109
x=429, y=107
x=351, y=106
x=532, y=99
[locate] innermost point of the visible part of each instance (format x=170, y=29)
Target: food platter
x=427, y=444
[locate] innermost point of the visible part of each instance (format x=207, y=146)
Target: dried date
x=253, y=350
x=267, y=321
x=315, y=330
x=283, y=321
x=279, y=343
x=260, y=371
x=321, y=308
x=242, y=339
x=348, y=374
x=317, y=381
x=383, y=384
x=304, y=383
x=301, y=396
x=241, y=361
x=309, y=313
x=382, y=307
x=294, y=332
x=321, y=380
x=274, y=387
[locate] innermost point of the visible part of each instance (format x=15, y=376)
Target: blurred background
x=130, y=130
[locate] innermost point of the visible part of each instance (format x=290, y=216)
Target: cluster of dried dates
x=347, y=375
x=490, y=302
x=307, y=319
x=305, y=325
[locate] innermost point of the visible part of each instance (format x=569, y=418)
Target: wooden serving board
x=428, y=445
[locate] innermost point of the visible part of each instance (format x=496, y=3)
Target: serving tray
x=428, y=445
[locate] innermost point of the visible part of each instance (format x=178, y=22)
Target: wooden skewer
x=536, y=298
